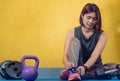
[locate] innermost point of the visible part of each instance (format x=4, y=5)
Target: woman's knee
x=76, y=42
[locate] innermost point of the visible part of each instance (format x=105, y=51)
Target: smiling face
x=89, y=20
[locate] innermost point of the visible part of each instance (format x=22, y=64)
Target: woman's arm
x=65, y=59
x=97, y=51
x=95, y=54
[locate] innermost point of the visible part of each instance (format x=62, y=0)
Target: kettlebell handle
x=30, y=57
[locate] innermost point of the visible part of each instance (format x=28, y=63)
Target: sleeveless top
x=87, y=45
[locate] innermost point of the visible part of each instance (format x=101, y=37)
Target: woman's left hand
x=81, y=70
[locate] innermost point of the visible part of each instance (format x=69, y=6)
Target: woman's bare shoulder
x=103, y=35
x=71, y=33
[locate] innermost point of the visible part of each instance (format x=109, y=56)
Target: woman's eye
x=95, y=19
x=88, y=17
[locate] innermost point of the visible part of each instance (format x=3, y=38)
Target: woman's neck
x=86, y=30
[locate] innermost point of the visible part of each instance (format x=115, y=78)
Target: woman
x=84, y=44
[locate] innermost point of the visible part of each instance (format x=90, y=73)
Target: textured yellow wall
x=39, y=27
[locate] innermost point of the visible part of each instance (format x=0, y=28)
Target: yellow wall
x=39, y=27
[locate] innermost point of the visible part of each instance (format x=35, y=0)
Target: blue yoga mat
x=52, y=74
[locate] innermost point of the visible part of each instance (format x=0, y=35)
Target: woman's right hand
x=81, y=70
x=69, y=65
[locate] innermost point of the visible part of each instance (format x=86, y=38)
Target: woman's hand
x=69, y=65
x=81, y=70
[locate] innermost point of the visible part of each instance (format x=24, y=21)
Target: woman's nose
x=91, y=20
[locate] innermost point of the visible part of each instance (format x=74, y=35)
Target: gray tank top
x=87, y=45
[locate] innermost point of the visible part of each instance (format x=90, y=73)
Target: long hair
x=89, y=7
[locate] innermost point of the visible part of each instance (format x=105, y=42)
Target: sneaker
x=74, y=77
x=64, y=74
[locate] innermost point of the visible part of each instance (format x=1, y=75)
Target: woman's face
x=89, y=20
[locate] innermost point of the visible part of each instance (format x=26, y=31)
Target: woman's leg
x=106, y=67
x=73, y=53
x=90, y=74
x=73, y=56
